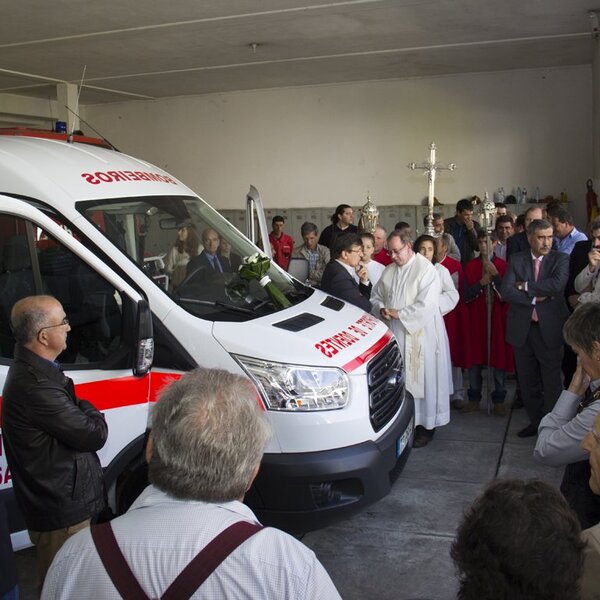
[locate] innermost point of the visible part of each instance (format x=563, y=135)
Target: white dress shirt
x=160, y=535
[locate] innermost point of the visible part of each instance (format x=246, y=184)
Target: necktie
x=216, y=264
x=536, y=273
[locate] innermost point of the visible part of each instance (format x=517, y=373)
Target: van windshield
x=191, y=252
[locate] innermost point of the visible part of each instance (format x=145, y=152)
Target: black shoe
x=529, y=431
x=422, y=436
x=518, y=401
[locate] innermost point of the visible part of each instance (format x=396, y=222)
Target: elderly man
x=464, y=229
x=209, y=262
x=438, y=228
x=50, y=436
x=407, y=299
x=207, y=440
x=534, y=287
x=345, y=276
x=381, y=255
x=317, y=256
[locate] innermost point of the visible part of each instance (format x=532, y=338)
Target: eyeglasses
x=65, y=321
x=397, y=252
x=356, y=250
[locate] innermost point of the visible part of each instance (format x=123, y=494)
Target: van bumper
x=305, y=491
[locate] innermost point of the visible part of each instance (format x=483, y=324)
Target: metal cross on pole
x=431, y=167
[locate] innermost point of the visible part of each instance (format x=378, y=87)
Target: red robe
x=382, y=257
x=502, y=354
x=456, y=320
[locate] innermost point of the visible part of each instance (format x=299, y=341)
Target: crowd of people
x=523, y=299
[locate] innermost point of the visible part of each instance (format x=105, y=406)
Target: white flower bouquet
x=257, y=267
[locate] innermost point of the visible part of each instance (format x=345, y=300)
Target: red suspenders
x=188, y=581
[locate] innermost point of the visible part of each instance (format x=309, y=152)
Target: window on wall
x=33, y=262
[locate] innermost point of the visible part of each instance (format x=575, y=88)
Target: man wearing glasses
x=50, y=436
x=407, y=297
x=345, y=276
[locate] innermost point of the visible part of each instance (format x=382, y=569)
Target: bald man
x=50, y=436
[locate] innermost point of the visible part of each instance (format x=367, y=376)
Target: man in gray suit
x=534, y=287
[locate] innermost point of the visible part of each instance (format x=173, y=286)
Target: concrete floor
x=399, y=547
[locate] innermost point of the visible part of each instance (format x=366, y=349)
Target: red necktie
x=536, y=274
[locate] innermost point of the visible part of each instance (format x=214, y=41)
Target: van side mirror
x=144, y=347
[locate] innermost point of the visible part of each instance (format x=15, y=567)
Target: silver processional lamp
x=487, y=214
x=369, y=217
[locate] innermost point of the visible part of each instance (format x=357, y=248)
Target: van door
x=102, y=316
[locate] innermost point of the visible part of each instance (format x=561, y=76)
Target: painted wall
x=323, y=145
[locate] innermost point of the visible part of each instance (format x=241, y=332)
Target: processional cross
x=431, y=167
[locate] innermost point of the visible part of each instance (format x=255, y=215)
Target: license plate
x=403, y=439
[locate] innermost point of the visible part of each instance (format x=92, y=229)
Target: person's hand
x=486, y=279
x=593, y=258
x=573, y=299
x=388, y=313
x=362, y=273
x=491, y=269
x=469, y=223
x=580, y=381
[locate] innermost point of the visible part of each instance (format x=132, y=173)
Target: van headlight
x=295, y=387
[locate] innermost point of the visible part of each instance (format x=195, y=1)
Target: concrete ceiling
x=156, y=48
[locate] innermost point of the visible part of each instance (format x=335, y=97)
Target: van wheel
x=130, y=484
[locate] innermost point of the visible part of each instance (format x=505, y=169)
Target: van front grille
x=385, y=377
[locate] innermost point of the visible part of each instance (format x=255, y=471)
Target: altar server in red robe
x=480, y=273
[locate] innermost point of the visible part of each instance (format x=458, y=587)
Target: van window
x=33, y=262
x=191, y=252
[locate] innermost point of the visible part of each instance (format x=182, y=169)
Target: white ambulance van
x=92, y=226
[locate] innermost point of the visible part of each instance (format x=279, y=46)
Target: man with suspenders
x=189, y=535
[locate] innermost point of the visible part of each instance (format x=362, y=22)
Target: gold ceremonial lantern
x=369, y=216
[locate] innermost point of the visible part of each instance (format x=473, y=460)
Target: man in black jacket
x=464, y=230
x=345, y=276
x=50, y=436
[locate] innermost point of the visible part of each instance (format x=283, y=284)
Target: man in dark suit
x=339, y=275
x=208, y=263
x=534, y=286
x=519, y=242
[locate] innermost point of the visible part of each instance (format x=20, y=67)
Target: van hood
x=321, y=331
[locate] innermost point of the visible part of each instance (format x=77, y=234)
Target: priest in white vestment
x=407, y=298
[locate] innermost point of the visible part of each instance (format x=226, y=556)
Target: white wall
x=322, y=145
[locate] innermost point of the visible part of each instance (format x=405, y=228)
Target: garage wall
x=322, y=145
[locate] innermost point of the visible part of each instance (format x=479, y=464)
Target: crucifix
x=431, y=167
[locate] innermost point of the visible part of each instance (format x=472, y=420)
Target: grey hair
x=536, y=225
x=444, y=238
x=28, y=316
x=307, y=228
x=404, y=237
x=582, y=328
x=208, y=435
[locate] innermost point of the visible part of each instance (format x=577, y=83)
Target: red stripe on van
x=368, y=354
x=106, y=394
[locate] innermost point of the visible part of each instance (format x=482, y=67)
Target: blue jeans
x=476, y=382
